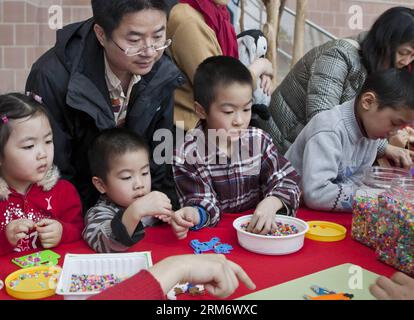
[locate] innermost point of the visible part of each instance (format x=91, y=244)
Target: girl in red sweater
x=37, y=208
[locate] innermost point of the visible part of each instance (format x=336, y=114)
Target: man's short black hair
x=109, y=13
x=109, y=144
x=218, y=71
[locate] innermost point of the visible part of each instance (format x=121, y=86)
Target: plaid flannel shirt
x=207, y=177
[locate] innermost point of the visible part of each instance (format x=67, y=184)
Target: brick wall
x=333, y=15
x=25, y=35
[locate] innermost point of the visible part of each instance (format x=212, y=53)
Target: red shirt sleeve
x=70, y=211
x=5, y=246
x=142, y=286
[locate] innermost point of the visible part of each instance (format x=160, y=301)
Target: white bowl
x=272, y=245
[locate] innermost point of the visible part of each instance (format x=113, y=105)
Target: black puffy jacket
x=70, y=78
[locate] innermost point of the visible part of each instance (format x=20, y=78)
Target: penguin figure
x=252, y=44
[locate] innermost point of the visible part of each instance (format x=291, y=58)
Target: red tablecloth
x=266, y=271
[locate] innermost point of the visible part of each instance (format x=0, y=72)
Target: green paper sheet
x=46, y=257
x=346, y=278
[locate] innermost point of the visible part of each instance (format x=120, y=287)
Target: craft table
x=266, y=271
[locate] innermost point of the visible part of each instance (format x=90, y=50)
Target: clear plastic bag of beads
x=365, y=202
x=395, y=226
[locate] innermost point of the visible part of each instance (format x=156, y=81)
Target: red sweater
x=142, y=286
x=56, y=199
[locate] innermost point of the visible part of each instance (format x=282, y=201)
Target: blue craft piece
x=223, y=248
x=321, y=291
x=199, y=247
x=195, y=243
x=211, y=244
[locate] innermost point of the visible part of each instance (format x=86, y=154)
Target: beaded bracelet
x=203, y=218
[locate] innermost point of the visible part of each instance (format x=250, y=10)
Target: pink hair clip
x=35, y=97
x=4, y=119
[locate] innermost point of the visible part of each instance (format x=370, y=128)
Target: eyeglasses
x=134, y=51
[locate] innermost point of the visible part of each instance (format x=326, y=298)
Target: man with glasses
x=104, y=72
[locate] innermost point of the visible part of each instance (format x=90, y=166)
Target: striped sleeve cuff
x=121, y=234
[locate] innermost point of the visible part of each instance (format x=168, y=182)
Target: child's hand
x=152, y=204
x=266, y=84
x=155, y=204
x=401, y=158
x=402, y=138
x=263, y=220
x=50, y=232
x=399, y=287
x=18, y=229
x=164, y=218
x=183, y=219
x=261, y=66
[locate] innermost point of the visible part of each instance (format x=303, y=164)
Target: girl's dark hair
x=16, y=106
x=110, y=143
x=392, y=87
x=215, y=72
x=392, y=29
x=109, y=13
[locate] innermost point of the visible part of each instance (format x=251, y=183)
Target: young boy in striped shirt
x=224, y=165
x=120, y=166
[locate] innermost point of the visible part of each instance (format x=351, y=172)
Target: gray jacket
x=325, y=77
x=331, y=154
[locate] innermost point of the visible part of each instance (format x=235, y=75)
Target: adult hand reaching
x=219, y=275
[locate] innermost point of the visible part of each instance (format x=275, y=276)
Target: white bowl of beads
x=84, y=275
x=287, y=238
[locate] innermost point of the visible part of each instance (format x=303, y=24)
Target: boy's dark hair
x=16, y=106
x=109, y=13
x=110, y=143
x=215, y=72
x=392, y=29
x=393, y=88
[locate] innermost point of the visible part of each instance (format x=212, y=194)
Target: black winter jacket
x=70, y=78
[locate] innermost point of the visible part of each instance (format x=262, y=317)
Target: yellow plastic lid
x=325, y=231
x=31, y=283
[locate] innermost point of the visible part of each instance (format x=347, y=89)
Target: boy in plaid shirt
x=224, y=165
